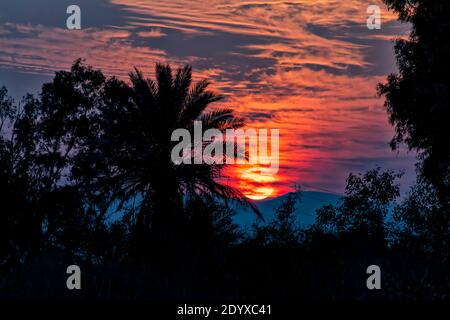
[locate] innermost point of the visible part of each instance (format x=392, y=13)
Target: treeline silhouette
x=86, y=178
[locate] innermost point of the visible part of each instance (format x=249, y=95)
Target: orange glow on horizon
x=260, y=193
x=256, y=184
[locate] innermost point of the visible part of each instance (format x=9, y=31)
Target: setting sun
x=259, y=193
x=255, y=183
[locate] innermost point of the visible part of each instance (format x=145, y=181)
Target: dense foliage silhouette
x=417, y=97
x=417, y=101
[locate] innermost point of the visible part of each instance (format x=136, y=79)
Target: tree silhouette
x=362, y=212
x=283, y=230
x=420, y=225
x=129, y=156
x=13, y=223
x=39, y=140
x=417, y=98
x=19, y=191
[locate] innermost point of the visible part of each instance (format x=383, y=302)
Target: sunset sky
x=306, y=67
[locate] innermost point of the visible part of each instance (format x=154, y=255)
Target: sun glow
x=255, y=183
x=260, y=193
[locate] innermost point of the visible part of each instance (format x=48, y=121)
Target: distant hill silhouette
x=306, y=208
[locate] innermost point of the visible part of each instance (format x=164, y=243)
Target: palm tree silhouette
x=134, y=148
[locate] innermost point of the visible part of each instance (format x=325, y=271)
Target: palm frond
x=196, y=102
x=181, y=85
x=221, y=119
